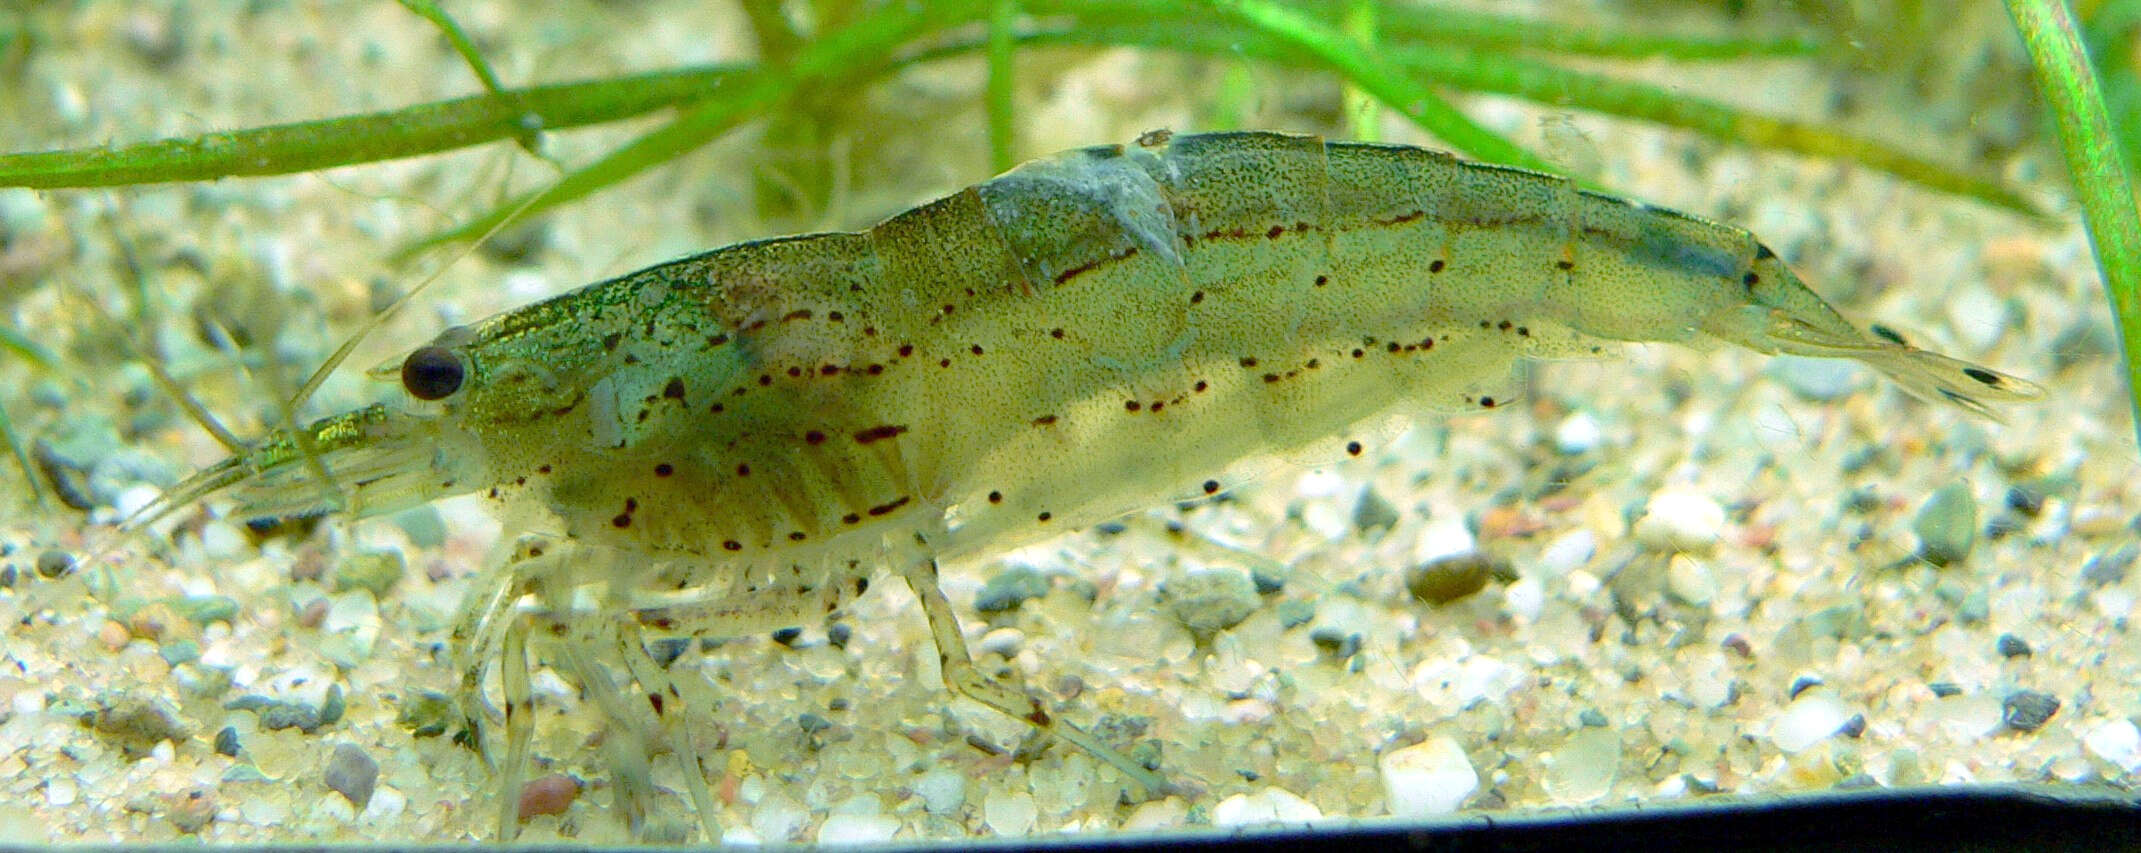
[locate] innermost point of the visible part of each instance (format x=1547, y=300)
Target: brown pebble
x=1447, y=579
x=191, y=809
x=112, y=634
x=551, y=794
x=314, y=613
x=152, y=622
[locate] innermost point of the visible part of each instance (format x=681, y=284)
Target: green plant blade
x=2109, y=209
x=1386, y=83
x=854, y=51
x=371, y=137
x=1548, y=84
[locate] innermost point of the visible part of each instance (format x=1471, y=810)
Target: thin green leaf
x=1561, y=87
x=458, y=37
x=853, y=51
x=14, y=341
x=1415, y=22
x=1484, y=31
x=22, y=460
x=370, y=137
x=1389, y=84
x=2110, y=210
x=1548, y=84
x=1002, y=153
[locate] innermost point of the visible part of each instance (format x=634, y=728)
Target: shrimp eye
x=432, y=373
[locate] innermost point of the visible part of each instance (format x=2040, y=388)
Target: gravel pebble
x=1577, y=434
x=1689, y=580
x=1429, y=778
x=1808, y=720
x=1681, y=520
x=1008, y=812
x=1458, y=576
x=548, y=795
x=857, y=829
x=227, y=741
x=2117, y=741
x=352, y=773
x=1816, y=379
x=1010, y=588
x=1946, y=525
x=1211, y=601
x=1583, y=766
x=191, y=809
x=2110, y=566
x=942, y=789
x=52, y=564
x=2027, y=710
x=2011, y=646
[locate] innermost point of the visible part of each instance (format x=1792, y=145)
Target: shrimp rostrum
x=736, y=441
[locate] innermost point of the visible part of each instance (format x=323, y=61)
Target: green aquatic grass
x=1419, y=55
x=1430, y=50
x=2069, y=84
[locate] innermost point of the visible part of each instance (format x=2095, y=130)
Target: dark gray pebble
x=353, y=774
x=2011, y=646
x=2028, y=710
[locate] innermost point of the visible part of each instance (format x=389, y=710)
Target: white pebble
x=1967, y=717
x=61, y=791
x=1002, y=641
x=857, y=829
x=22, y=212
x=1008, y=812
x=1582, y=769
x=1681, y=520
x=1978, y=317
x=1243, y=810
x=385, y=804
x=1577, y=434
x=1568, y=552
x=134, y=498
x=1525, y=597
x=1157, y=814
x=1329, y=520
x=1689, y=580
x=1428, y=778
x=2118, y=742
x=1808, y=720
x=1444, y=536
x=777, y=819
x=1481, y=677
x=1265, y=806
x=221, y=540
x=942, y=791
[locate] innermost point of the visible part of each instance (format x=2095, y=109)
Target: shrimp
x=735, y=441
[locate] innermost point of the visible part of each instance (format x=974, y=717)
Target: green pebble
x=1209, y=602
x=204, y=609
x=180, y=651
x=1947, y=525
x=425, y=713
x=372, y=571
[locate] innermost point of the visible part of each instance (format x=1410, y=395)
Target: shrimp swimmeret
x=734, y=442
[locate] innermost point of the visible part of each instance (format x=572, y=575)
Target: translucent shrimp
x=734, y=442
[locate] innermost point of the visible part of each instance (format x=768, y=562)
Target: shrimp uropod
x=735, y=442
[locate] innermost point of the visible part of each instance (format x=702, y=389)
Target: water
x=1747, y=544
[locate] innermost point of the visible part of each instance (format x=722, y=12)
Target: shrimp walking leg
x=963, y=679
x=632, y=649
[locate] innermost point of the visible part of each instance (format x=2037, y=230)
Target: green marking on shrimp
x=735, y=441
